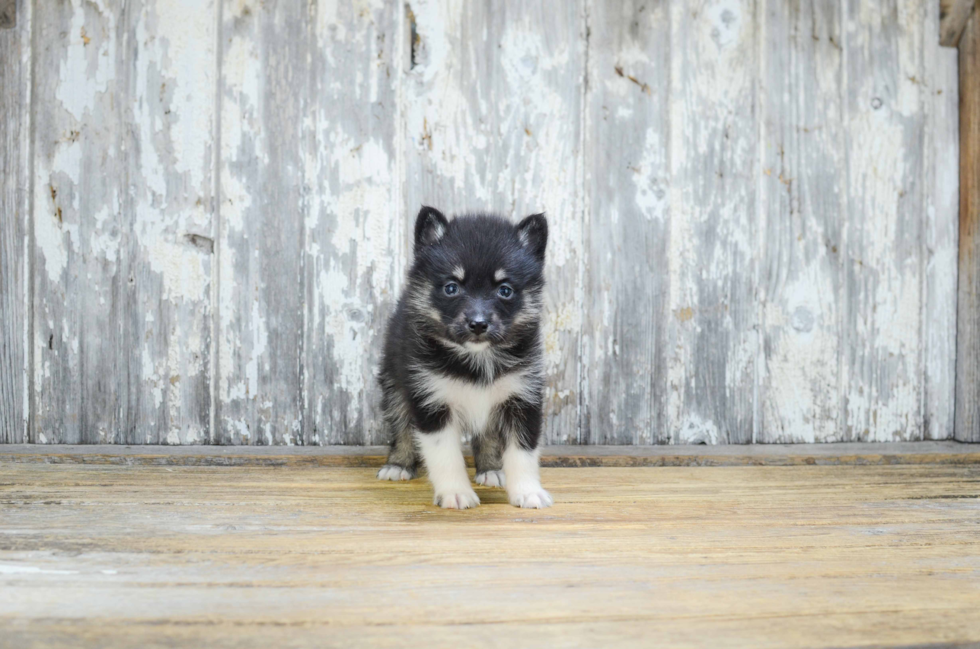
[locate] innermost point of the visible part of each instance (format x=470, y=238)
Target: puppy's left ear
x=430, y=225
x=533, y=234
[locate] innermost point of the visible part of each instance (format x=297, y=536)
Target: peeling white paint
x=695, y=430
x=562, y=318
x=49, y=239
x=182, y=268
x=93, y=61
x=511, y=133
x=260, y=343
x=650, y=177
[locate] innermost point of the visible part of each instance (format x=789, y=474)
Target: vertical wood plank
x=15, y=97
x=941, y=175
x=266, y=139
x=713, y=205
x=800, y=287
x=493, y=110
x=967, y=425
x=65, y=277
x=881, y=337
x=121, y=178
x=82, y=296
x=628, y=183
x=354, y=225
x=171, y=246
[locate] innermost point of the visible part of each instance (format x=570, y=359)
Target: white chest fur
x=472, y=403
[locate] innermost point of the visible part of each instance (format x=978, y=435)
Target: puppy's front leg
x=442, y=453
x=522, y=425
x=523, y=480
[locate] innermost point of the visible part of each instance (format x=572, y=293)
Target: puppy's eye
x=505, y=291
x=452, y=288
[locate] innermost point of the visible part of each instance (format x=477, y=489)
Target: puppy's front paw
x=490, y=479
x=394, y=472
x=457, y=499
x=531, y=498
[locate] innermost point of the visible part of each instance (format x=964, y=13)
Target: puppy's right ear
x=430, y=226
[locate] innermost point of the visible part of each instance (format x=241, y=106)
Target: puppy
x=463, y=355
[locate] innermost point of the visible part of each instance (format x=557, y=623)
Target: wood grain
x=171, y=238
x=787, y=557
x=628, y=211
x=883, y=203
x=59, y=159
x=968, y=305
x=353, y=230
x=492, y=122
x=712, y=320
x=954, y=15
x=800, y=289
x=15, y=128
x=309, y=187
x=941, y=170
x=121, y=203
x=267, y=142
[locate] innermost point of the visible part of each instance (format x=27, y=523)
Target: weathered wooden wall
x=15, y=83
x=968, y=351
x=207, y=206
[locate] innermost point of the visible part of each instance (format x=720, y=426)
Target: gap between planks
x=841, y=454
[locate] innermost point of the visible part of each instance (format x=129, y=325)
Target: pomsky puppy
x=463, y=355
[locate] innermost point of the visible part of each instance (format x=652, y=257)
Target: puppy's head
x=478, y=279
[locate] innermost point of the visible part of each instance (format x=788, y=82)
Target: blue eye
x=505, y=291
x=452, y=288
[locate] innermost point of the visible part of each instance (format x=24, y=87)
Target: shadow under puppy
x=463, y=354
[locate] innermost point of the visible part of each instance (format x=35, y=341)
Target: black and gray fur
x=470, y=319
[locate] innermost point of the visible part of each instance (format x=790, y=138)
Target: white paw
x=490, y=478
x=532, y=498
x=394, y=472
x=457, y=499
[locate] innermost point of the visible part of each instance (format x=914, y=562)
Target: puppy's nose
x=478, y=326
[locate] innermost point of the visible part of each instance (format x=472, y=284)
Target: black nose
x=478, y=325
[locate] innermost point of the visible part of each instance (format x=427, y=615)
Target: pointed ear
x=533, y=234
x=430, y=225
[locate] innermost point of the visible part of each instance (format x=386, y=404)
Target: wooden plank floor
x=805, y=556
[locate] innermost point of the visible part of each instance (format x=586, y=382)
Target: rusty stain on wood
x=644, y=87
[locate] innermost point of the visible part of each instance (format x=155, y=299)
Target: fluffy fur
x=463, y=356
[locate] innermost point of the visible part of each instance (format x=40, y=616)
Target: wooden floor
x=803, y=556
